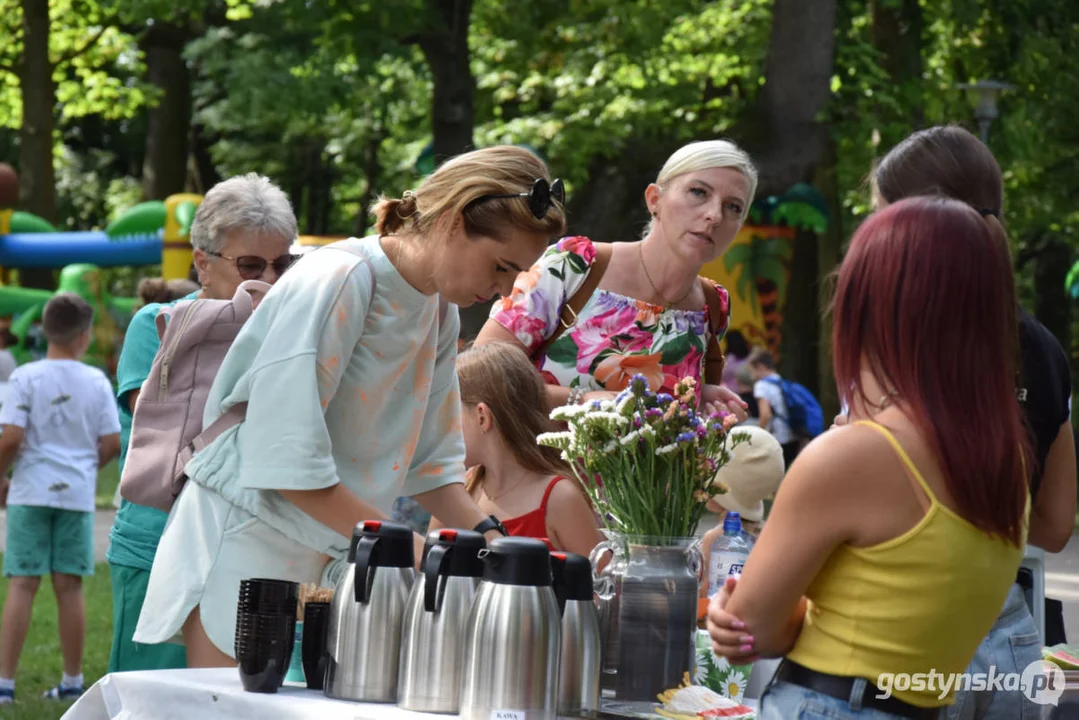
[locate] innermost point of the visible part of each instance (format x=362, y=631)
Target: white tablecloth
x=216, y=694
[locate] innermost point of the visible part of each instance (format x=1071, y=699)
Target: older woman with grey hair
x=242, y=231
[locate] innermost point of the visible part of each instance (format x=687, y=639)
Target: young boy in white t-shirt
x=60, y=424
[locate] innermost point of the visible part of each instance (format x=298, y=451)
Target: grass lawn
x=40, y=665
x=108, y=478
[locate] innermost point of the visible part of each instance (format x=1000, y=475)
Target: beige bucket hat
x=753, y=473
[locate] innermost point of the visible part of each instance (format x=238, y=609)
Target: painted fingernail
x=738, y=625
x=748, y=639
x=745, y=649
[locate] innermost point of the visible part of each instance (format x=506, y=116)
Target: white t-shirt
x=7, y=365
x=349, y=378
x=769, y=390
x=64, y=406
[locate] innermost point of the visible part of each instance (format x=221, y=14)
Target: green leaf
x=579, y=265
x=563, y=351
x=676, y=350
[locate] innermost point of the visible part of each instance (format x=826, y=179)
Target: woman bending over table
x=347, y=367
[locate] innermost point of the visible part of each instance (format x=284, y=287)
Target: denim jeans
x=785, y=701
x=1011, y=645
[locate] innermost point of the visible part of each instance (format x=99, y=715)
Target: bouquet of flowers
x=648, y=461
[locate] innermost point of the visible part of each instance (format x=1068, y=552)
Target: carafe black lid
x=518, y=561
x=465, y=559
x=572, y=576
x=393, y=543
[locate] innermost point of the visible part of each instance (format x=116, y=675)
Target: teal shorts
x=128, y=593
x=44, y=540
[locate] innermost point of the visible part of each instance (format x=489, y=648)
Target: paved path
x=1062, y=583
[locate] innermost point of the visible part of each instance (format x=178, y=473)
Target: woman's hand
x=728, y=633
x=598, y=395
x=716, y=399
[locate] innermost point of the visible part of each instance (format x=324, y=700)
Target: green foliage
x=97, y=66
x=581, y=82
x=89, y=191
x=1031, y=44
x=274, y=89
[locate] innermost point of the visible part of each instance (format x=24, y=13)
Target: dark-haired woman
x=949, y=160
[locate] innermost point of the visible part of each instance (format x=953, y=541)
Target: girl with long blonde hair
x=525, y=485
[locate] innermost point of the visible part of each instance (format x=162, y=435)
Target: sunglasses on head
x=540, y=197
x=251, y=267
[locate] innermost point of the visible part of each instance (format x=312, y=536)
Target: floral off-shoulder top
x=615, y=337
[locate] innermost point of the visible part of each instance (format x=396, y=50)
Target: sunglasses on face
x=540, y=197
x=251, y=267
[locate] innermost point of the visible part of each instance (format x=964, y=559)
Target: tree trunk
x=801, y=319
x=897, y=34
x=319, y=188
x=372, y=171
x=206, y=175
x=445, y=47
x=164, y=170
x=38, y=179
x=610, y=206
x=788, y=142
x=785, y=136
x=829, y=255
x=1052, y=305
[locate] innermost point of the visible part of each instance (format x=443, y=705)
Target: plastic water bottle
x=728, y=553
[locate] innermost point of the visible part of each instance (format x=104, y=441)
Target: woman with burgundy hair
x=894, y=540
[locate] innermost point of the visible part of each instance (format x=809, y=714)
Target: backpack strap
x=246, y=296
x=778, y=382
x=233, y=416
x=238, y=412
x=714, y=361
x=567, y=317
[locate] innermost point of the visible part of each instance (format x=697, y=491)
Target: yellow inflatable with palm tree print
x=756, y=268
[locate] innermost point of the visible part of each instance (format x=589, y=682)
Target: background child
x=523, y=484
x=61, y=420
x=752, y=475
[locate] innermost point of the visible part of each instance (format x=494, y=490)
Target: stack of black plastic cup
x=265, y=632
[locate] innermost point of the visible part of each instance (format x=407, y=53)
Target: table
x=216, y=694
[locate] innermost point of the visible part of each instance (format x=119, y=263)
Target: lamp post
x=984, y=94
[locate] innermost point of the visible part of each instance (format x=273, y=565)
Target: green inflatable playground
x=150, y=233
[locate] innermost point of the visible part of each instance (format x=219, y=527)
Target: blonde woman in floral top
x=650, y=313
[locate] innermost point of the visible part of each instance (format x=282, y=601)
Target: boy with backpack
x=786, y=409
x=60, y=425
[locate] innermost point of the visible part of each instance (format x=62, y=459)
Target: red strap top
x=533, y=524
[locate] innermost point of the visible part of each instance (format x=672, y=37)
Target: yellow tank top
x=918, y=602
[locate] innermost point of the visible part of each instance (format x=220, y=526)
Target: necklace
x=666, y=303
x=514, y=486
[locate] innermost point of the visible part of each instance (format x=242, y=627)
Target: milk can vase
x=647, y=596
